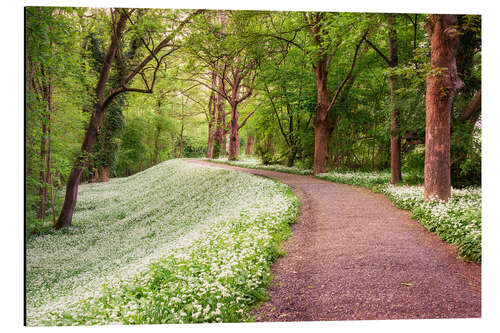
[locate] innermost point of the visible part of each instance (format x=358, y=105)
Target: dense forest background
x=158, y=84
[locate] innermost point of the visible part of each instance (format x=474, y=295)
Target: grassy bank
x=168, y=245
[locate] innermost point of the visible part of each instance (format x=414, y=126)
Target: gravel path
x=353, y=256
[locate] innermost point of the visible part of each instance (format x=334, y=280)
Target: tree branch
x=277, y=116
x=334, y=99
x=378, y=51
x=472, y=107
x=160, y=46
x=246, y=118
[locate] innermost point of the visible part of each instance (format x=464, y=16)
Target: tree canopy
x=111, y=92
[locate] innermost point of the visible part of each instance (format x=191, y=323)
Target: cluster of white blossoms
x=457, y=221
x=176, y=243
x=365, y=179
x=254, y=163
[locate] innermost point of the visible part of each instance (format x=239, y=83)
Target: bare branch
x=276, y=114
x=334, y=99
x=378, y=51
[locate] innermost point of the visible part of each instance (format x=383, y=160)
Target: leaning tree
x=123, y=22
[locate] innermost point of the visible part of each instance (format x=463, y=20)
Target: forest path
x=353, y=255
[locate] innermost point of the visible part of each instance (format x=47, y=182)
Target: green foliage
x=194, y=147
x=466, y=155
x=413, y=161
x=108, y=140
x=52, y=36
x=132, y=151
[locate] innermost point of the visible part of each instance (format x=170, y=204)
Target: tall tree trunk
x=442, y=84
x=220, y=119
x=66, y=217
x=212, y=115
x=223, y=141
x=234, y=139
x=395, y=112
x=249, y=145
x=322, y=122
x=220, y=107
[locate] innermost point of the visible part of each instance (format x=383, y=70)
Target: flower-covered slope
x=178, y=242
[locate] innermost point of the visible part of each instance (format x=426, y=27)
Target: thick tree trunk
x=395, y=135
x=238, y=144
x=234, y=139
x=249, y=145
x=66, y=217
x=223, y=142
x=220, y=119
x=322, y=122
x=321, y=134
x=210, y=141
x=395, y=112
x=442, y=85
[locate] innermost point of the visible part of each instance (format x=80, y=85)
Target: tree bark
x=66, y=216
x=322, y=122
x=212, y=114
x=220, y=118
x=249, y=145
x=442, y=84
x=102, y=102
x=471, y=111
x=395, y=112
x=234, y=139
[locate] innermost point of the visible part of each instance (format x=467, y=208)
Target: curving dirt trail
x=353, y=256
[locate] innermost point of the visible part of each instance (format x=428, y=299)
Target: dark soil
x=354, y=256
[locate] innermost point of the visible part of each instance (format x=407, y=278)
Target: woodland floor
x=353, y=256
